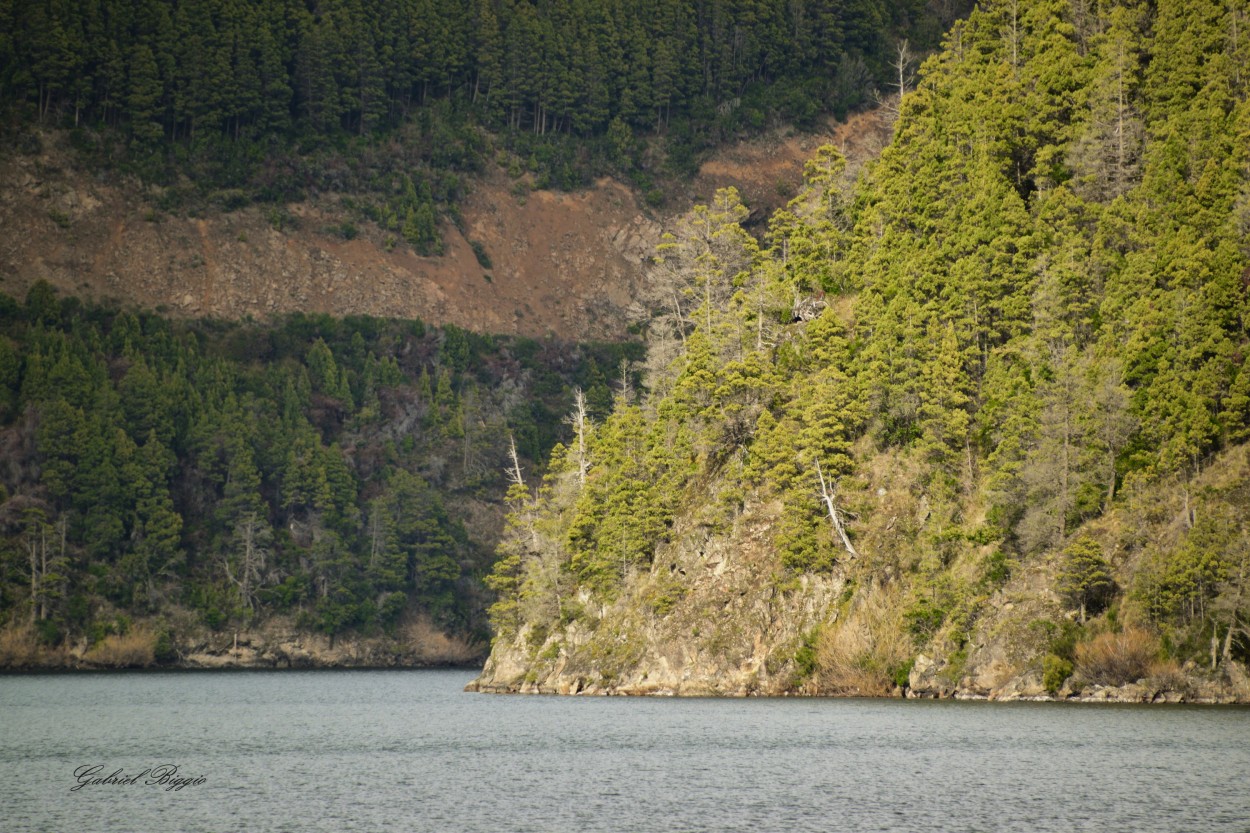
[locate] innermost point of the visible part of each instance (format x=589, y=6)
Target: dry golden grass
x=859, y=654
x=18, y=647
x=1117, y=658
x=134, y=649
x=435, y=646
x=1167, y=675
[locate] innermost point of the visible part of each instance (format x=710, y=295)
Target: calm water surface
x=409, y=751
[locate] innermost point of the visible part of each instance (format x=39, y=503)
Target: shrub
x=18, y=647
x=231, y=199
x=1168, y=676
x=865, y=654
x=805, y=659
x=134, y=649
x=924, y=617
x=571, y=611
x=163, y=651
x=1055, y=671
x=479, y=252
x=902, y=672
x=997, y=568
x=215, y=618
x=49, y=632
x=536, y=637
x=1117, y=658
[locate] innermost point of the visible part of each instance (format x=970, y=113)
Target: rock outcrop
x=711, y=617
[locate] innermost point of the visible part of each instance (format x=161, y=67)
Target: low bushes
x=866, y=653
x=1117, y=658
x=134, y=649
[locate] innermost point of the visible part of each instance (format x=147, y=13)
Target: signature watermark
x=163, y=775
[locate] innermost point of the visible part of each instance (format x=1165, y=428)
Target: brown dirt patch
x=567, y=264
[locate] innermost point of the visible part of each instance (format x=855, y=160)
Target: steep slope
x=562, y=263
x=973, y=425
x=370, y=403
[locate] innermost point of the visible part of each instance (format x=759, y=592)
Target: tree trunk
x=34, y=582
x=581, y=425
x=827, y=494
x=43, y=572
x=1232, y=619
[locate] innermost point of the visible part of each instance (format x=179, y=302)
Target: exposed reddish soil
x=767, y=171
x=562, y=263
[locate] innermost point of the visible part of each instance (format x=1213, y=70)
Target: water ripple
x=409, y=751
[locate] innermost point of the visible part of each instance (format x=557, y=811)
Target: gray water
x=409, y=751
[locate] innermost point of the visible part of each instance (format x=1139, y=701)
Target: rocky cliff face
x=280, y=644
x=717, y=614
x=729, y=629
x=709, y=618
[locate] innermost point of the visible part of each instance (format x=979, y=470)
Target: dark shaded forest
x=274, y=100
x=315, y=467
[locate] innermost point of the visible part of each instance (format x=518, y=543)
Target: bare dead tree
x=828, y=491
x=251, y=536
x=524, y=509
x=36, y=543
x=902, y=64
x=580, y=421
x=513, y=472
x=1234, y=601
x=626, y=388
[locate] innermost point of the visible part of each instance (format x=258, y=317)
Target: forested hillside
x=207, y=477
x=975, y=423
x=272, y=100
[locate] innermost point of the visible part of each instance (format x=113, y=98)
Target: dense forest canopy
x=1013, y=346
x=314, y=467
x=172, y=68
x=1030, y=318
x=273, y=99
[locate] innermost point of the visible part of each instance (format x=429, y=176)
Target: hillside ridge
x=971, y=424
x=567, y=264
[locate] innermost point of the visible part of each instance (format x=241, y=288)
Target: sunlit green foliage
x=1034, y=299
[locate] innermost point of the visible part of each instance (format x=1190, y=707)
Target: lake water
x=409, y=751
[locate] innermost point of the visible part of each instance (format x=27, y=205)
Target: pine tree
x=144, y=98
x=1085, y=576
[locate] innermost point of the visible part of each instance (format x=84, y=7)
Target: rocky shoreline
x=663, y=669
x=1141, y=692
x=270, y=645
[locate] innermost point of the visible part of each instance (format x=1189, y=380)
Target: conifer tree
x=1085, y=576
